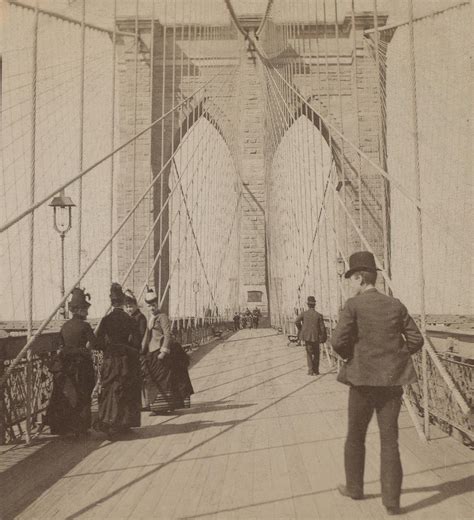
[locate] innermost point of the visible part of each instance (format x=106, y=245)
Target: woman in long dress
x=119, y=338
x=165, y=364
x=69, y=409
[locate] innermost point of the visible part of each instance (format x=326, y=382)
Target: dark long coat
x=310, y=323
x=120, y=400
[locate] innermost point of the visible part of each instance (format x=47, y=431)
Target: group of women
x=138, y=354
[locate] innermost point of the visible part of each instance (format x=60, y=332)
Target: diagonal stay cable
x=167, y=201
x=229, y=236
x=160, y=251
x=416, y=202
x=282, y=118
x=80, y=175
x=273, y=88
x=265, y=18
x=157, y=220
x=46, y=321
x=193, y=233
x=266, y=62
x=158, y=254
x=323, y=204
x=178, y=256
x=434, y=356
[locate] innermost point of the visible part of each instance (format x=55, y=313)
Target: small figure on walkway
x=377, y=337
x=69, y=409
x=256, y=317
x=312, y=331
x=132, y=309
x=165, y=363
x=243, y=321
x=248, y=318
x=120, y=394
x=236, y=321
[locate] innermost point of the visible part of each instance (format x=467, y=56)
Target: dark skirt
x=120, y=392
x=69, y=409
x=167, y=383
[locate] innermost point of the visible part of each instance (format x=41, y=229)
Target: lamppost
x=341, y=269
x=196, y=288
x=62, y=207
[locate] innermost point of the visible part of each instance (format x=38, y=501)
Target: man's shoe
x=310, y=372
x=316, y=373
x=392, y=511
x=345, y=493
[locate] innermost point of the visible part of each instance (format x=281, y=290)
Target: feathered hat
x=150, y=295
x=130, y=298
x=79, y=299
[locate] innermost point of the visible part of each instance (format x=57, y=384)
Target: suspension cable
x=262, y=55
x=46, y=321
x=45, y=199
x=265, y=18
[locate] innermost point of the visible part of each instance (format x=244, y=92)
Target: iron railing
x=443, y=406
x=190, y=332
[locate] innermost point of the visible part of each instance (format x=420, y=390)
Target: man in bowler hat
x=312, y=331
x=377, y=337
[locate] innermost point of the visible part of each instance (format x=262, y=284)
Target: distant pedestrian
x=256, y=317
x=312, y=331
x=248, y=318
x=243, y=321
x=236, y=321
x=376, y=336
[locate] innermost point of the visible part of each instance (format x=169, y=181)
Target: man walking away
x=377, y=337
x=312, y=331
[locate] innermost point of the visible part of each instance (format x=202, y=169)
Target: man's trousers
x=386, y=401
x=312, y=356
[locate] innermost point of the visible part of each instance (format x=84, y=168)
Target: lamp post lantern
x=62, y=206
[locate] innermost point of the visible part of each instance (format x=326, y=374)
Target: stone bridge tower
x=247, y=146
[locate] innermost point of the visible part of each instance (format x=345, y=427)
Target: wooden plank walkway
x=262, y=441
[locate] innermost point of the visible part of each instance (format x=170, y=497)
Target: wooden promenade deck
x=262, y=441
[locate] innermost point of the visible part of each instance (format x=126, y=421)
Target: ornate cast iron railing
x=13, y=396
x=443, y=406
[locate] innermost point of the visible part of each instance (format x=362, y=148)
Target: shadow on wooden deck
x=23, y=482
x=27, y=471
x=258, y=416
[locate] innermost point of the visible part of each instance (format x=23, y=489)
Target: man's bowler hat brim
x=360, y=268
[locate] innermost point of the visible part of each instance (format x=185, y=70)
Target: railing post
x=421, y=276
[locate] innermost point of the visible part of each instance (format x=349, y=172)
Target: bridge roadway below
x=261, y=440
